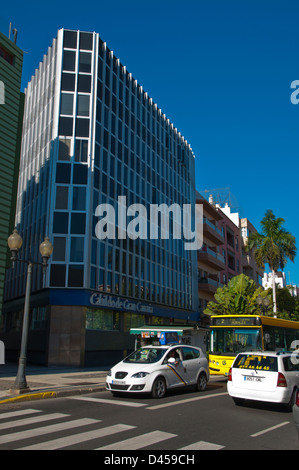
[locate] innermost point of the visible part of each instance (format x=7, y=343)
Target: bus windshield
x=235, y=340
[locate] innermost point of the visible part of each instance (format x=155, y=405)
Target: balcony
x=211, y=259
x=211, y=232
x=208, y=285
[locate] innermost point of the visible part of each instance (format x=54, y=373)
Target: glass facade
x=108, y=139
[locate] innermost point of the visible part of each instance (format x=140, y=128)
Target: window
x=57, y=278
x=86, y=40
x=69, y=60
x=77, y=249
x=65, y=126
x=62, y=193
x=82, y=127
x=80, y=174
x=81, y=149
x=82, y=105
x=77, y=223
x=60, y=222
x=79, y=197
x=85, y=62
x=63, y=173
x=66, y=103
x=97, y=319
x=190, y=353
x=84, y=83
x=6, y=55
x=68, y=81
x=70, y=39
x=64, y=149
x=59, y=249
x=76, y=276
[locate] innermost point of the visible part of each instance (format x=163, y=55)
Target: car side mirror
x=171, y=360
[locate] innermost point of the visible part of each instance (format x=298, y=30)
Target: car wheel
x=159, y=388
x=202, y=382
x=292, y=401
x=239, y=401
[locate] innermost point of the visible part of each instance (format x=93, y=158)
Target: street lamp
x=46, y=248
x=263, y=303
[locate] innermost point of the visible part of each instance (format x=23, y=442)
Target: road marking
x=111, y=402
x=12, y=414
x=269, y=429
x=202, y=445
x=32, y=420
x=139, y=442
x=187, y=400
x=79, y=438
x=30, y=433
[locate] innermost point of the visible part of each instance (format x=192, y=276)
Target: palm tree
x=273, y=246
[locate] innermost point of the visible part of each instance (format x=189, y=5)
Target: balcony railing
x=205, y=249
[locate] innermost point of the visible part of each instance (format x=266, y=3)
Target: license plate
x=119, y=382
x=250, y=378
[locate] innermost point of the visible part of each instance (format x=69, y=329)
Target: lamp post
x=263, y=303
x=46, y=248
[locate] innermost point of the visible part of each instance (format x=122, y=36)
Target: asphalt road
x=184, y=422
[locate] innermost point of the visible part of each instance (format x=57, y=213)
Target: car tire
x=202, y=382
x=239, y=401
x=289, y=406
x=159, y=388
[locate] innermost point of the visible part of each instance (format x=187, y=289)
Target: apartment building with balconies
x=232, y=246
x=210, y=260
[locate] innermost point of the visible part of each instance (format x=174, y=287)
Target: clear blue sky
x=220, y=71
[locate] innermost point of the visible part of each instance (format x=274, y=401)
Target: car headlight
x=139, y=375
x=109, y=373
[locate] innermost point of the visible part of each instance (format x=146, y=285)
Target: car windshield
x=146, y=355
x=256, y=362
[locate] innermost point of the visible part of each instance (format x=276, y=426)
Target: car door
x=175, y=372
x=191, y=363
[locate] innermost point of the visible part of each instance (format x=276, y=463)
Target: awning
x=153, y=331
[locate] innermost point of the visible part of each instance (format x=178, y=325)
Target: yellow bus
x=231, y=334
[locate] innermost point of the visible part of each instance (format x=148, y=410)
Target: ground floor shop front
x=81, y=328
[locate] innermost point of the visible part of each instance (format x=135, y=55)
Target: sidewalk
x=50, y=382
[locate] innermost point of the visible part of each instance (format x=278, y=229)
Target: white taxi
x=264, y=376
x=156, y=369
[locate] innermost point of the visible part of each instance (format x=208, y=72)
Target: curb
x=53, y=394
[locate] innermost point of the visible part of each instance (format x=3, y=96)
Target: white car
x=156, y=369
x=296, y=411
x=264, y=376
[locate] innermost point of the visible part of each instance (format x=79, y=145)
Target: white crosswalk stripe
x=202, y=445
x=80, y=434
x=32, y=420
x=45, y=430
x=139, y=442
x=79, y=438
x=13, y=414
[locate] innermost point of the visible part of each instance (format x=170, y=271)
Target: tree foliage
x=238, y=297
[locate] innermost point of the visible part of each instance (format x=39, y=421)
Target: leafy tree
x=238, y=297
x=273, y=246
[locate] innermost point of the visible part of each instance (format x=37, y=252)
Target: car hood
x=133, y=368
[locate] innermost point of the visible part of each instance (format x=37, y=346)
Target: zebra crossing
x=52, y=431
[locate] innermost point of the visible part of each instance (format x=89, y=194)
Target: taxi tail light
x=281, y=380
x=230, y=375
x=297, y=398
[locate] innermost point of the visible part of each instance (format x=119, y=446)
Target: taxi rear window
x=256, y=362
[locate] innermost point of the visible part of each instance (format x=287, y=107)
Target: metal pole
x=20, y=384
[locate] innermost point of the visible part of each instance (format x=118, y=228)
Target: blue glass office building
x=91, y=134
